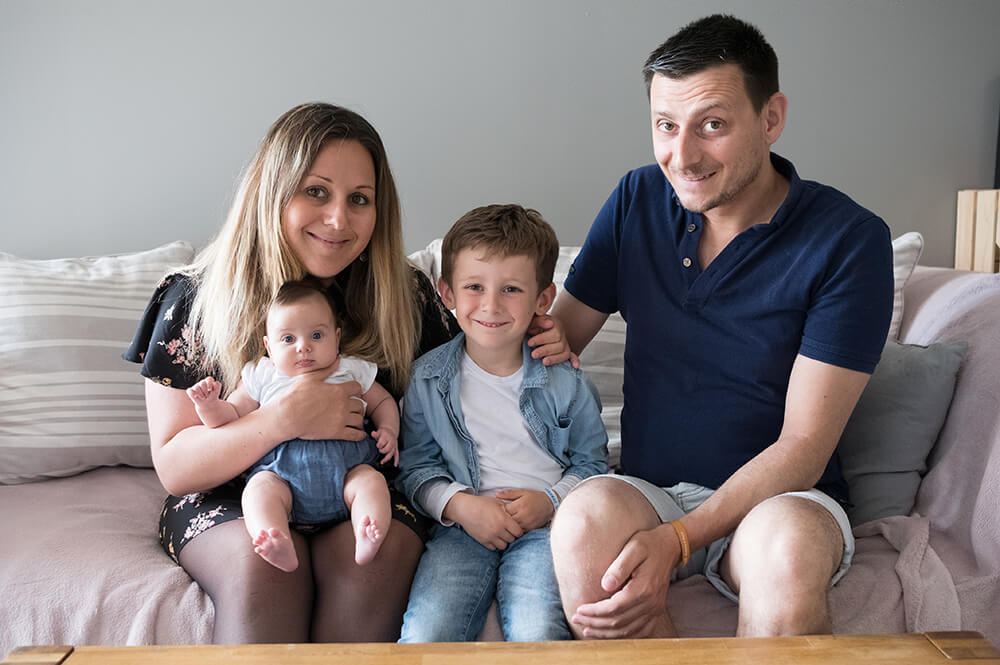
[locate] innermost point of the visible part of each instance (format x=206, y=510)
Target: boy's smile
x=494, y=299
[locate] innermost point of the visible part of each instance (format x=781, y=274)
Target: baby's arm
x=384, y=412
x=216, y=412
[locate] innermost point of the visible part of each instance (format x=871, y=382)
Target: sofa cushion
x=68, y=402
x=906, y=250
x=885, y=445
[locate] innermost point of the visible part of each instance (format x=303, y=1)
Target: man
x=757, y=307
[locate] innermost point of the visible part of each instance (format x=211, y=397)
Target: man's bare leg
x=588, y=533
x=780, y=563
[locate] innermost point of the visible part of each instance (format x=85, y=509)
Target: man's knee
x=788, y=540
x=599, y=509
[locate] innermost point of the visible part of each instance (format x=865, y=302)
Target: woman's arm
x=189, y=457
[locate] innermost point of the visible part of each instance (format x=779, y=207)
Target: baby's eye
x=317, y=335
x=287, y=339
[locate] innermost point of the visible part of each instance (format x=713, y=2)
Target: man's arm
x=819, y=402
x=579, y=322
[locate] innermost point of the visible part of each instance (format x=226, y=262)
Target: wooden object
x=903, y=649
x=977, y=231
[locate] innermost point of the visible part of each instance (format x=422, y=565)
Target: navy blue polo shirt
x=708, y=353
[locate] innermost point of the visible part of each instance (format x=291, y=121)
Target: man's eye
x=665, y=126
x=713, y=125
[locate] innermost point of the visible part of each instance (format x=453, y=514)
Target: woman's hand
x=314, y=409
x=549, y=342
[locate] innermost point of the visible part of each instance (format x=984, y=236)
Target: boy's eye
x=473, y=287
x=287, y=339
x=511, y=289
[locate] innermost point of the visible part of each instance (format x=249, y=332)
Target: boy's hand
x=548, y=341
x=483, y=518
x=531, y=509
x=206, y=390
x=388, y=444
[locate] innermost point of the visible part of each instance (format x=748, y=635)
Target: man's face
x=707, y=138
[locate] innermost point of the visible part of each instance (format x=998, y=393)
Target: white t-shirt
x=509, y=456
x=265, y=382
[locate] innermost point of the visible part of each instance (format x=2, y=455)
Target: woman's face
x=331, y=216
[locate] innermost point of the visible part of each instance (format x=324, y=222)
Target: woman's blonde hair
x=238, y=274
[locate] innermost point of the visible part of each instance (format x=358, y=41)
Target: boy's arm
x=384, y=412
x=588, y=438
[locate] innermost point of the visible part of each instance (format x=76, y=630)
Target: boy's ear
x=545, y=299
x=447, y=296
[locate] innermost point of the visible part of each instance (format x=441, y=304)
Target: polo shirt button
x=686, y=262
x=691, y=228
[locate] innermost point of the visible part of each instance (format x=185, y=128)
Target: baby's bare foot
x=277, y=549
x=368, y=540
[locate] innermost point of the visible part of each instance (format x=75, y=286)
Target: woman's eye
x=359, y=199
x=315, y=192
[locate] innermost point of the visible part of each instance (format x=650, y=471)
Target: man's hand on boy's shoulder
x=548, y=341
x=531, y=509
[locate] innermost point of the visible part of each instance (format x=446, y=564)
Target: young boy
x=494, y=439
x=308, y=482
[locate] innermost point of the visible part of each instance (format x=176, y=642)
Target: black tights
x=328, y=598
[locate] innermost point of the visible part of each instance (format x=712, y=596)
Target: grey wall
x=126, y=124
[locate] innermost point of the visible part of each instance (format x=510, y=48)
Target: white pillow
x=68, y=402
x=906, y=250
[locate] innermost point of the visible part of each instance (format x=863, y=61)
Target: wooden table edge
x=953, y=645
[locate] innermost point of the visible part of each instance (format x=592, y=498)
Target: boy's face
x=302, y=337
x=494, y=298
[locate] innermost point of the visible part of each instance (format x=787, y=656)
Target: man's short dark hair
x=715, y=40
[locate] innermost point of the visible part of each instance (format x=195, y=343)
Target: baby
x=308, y=481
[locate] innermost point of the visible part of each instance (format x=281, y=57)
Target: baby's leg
x=267, y=502
x=367, y=497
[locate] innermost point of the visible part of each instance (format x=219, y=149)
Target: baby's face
x=303, y=337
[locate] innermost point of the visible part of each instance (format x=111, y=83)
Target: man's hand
x=548, y=341
x=531, y=509
x=483, y=518
x=638, y=581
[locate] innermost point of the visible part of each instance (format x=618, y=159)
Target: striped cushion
x=68, y=402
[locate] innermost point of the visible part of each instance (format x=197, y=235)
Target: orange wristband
x=682, y=536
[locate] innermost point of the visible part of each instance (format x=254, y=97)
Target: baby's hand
x=385, y=441
x=206, y=390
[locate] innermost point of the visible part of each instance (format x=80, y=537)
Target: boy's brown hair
x=503, y=230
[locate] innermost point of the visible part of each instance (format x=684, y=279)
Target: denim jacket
x=558, y=403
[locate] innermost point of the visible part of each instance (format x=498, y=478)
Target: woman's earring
x=363, y=256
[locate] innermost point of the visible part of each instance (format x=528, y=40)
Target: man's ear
x=773, y=115
x=447, y=295
x=545, y=299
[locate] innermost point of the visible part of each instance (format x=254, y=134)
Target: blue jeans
x=457, y=579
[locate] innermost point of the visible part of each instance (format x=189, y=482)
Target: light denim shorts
x=672, y=503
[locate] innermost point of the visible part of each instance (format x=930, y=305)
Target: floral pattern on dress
x=194, y=500
x=201, y=522
x=183, y=350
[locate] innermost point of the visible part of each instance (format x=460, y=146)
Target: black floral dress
x=167, y=348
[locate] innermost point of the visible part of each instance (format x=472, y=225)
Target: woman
x=318, y=199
